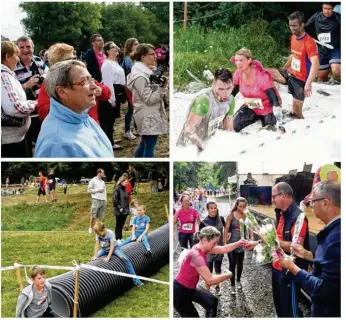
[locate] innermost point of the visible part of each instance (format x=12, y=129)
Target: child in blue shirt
x=140, y=228
x=106, y=240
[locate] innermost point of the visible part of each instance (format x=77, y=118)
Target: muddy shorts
x=245, y=117
x=334, y=57
x=98, y=208
x=295, y=86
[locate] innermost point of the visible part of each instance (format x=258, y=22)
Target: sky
x=10, y=19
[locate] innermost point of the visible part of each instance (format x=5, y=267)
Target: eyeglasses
x=312, y=201
x=87, y=80
x=275, y=195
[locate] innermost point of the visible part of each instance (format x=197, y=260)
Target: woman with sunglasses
x=61, y=52
x=147, y=98
x=194, y=266
x=233, y=234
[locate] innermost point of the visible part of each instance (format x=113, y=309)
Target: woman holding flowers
x=235, y=230
x=193, y=266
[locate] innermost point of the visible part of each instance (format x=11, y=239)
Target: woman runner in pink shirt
x=187, y=217
x=193, y=266
x=257, y=87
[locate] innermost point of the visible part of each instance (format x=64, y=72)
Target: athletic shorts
x=334, y=57
x=40, y=191
x=52, y=187
x=98, y=208
x=295, y=86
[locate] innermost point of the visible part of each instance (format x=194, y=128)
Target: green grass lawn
x=66, y=239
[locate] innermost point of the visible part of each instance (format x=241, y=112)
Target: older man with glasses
x=68, y=131
x=324, y=283
x=285, y=288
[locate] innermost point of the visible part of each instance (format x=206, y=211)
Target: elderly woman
x=62, y=52
x=15, y=109
x=147, y=99
x=113, y=76
x=68, y=131
x=194, y=266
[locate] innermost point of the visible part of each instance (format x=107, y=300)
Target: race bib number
x=324, y=37
x=214, y=124
x=295, y=64
x=254, y=103
x=187, y=226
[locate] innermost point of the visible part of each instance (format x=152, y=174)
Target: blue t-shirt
x=141, y=223
x=105, y=242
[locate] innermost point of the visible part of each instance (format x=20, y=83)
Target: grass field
x=63, y=228
x=197, y=49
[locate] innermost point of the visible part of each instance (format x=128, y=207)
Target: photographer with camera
x=148, y=89
x=30, y=72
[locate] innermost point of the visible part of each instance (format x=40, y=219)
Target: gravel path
x=254, y=300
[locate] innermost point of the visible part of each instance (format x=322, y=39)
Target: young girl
x=140, y=229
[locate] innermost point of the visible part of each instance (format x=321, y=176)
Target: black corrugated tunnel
x=97, y=289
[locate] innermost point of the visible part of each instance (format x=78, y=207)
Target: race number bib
x=187, y=226
x=295, y=64
x=214, y=124
x=254, y=103
x=324, y=37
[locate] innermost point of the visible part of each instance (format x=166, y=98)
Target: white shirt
x=94, y=186
x=112, y=73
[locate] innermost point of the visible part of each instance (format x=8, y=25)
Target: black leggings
x=216, y=264
x=185, y=239
x=236, y=259
x=183, y=298
x=107, y=115
x=119, y=224
x=245, y=116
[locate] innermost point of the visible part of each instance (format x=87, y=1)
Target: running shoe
x=129, y=135
x=117, y=147
x=233, y=290
x=138, y=282
x=239, y=285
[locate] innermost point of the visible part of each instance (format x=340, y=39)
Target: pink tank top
x=188, y=276
x=187, y=220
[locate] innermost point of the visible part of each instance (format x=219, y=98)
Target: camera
x=40, y=80
x=157, y=76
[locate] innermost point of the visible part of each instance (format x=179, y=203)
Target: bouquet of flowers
x=250, y=221
x=262, y=254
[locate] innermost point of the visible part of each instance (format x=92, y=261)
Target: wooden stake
x=19, y=279
x=185, y=15
x=76, y=294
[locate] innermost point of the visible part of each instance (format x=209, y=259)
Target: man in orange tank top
x=301, y=67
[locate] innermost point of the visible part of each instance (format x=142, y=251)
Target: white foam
x=316, y=136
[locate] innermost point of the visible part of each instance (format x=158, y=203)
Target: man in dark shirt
x=51, y=184
x=328, y=28
x=250, y=180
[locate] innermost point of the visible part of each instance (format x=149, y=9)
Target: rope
x=78, y=266
x=285, y=135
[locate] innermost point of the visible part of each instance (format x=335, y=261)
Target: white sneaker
x=129, y=135
x=90, y=231
x=134, y=131
x=233, y=290
x=117, y=147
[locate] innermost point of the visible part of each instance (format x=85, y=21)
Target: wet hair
x=94, y=36
x=284, y=188
x=142, y=50
x=209, y=233
x=128, y=46
x=35, y=271
x=8, y=48
x=236, y=203
x=245, y=52
x=330, y=190
x=99, y=226
x=223, y=75
x=297, y=16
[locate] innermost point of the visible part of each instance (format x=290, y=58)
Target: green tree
x=70, y=22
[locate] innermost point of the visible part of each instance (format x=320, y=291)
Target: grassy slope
x=197, y=50
x=62, y=245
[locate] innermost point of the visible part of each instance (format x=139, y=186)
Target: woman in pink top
x=187, y=217
x=257, y=87
x=193, y=266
